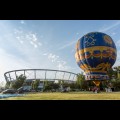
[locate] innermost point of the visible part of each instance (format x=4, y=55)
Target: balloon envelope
x=95, y=54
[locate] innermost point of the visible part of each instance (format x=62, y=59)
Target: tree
x=116, y=85
x=65, y=84
x=18, y=82
x=7, y=85
x=46, y=85
x=110, y=73
x=54, y=86
x=117, y=69
x=73, y=86
x=45, y=82
x=32, y=85
x=59, y=82
x=80, y=80
x=36, y=84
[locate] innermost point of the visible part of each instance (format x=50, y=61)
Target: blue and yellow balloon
x=95, y=54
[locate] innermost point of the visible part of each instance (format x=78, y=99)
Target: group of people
x=108, y=89
x=96, y=89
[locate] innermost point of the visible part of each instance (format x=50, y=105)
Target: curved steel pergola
x=41, y=74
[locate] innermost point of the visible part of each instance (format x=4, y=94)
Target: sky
x=48, y=44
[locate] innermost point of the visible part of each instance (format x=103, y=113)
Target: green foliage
x=73, y=86
x=35, y=84
x=47, y=88
x=80, y=81
x=116, y=85
x=110, y=73
x=46, y=82
x=7, y=85
x=65, y=85
x=50, y=85
x=26, y=83
x=59, y=82
x=18, y=82
x=55, y=86
x=117, y=72
x=32, y=85
x=103, y=85
x=85, y=85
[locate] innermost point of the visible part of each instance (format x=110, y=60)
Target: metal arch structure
x=35, y=75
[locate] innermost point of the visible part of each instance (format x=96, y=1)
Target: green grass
x=68, y=96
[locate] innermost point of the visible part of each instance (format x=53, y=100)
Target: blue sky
x=48, y=44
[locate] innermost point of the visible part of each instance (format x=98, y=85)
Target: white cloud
x=22, y=22
x=18, y=37
x=45, y=54
x=35, y=46
x=112, y=34
x=27, y=37
x=52, y=57
x=59, y=63
x=31, y=42
x=34, y=37
x=67, y=45
x=31, y=36
x=60, y=66
x=110, y=27
x=63, y=66
x=21, y=41
x=63, y=62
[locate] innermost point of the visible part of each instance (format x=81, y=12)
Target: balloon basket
x=97, y=83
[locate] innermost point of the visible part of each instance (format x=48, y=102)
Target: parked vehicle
x=22, y=90
x=64, y=90
x=9, y=91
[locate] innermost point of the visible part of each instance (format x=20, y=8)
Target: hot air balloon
x=95, y=54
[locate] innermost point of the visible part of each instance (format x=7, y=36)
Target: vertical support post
x=10, y=77
x=24, y=72
x=15, y=75
x=63, y=75
x=45, y=74
x=73, y=76
x=35, y=74
x=55, y=74
x=6, y=78
x=69, y=78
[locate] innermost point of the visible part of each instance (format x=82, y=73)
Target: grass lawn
x=68, y=96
